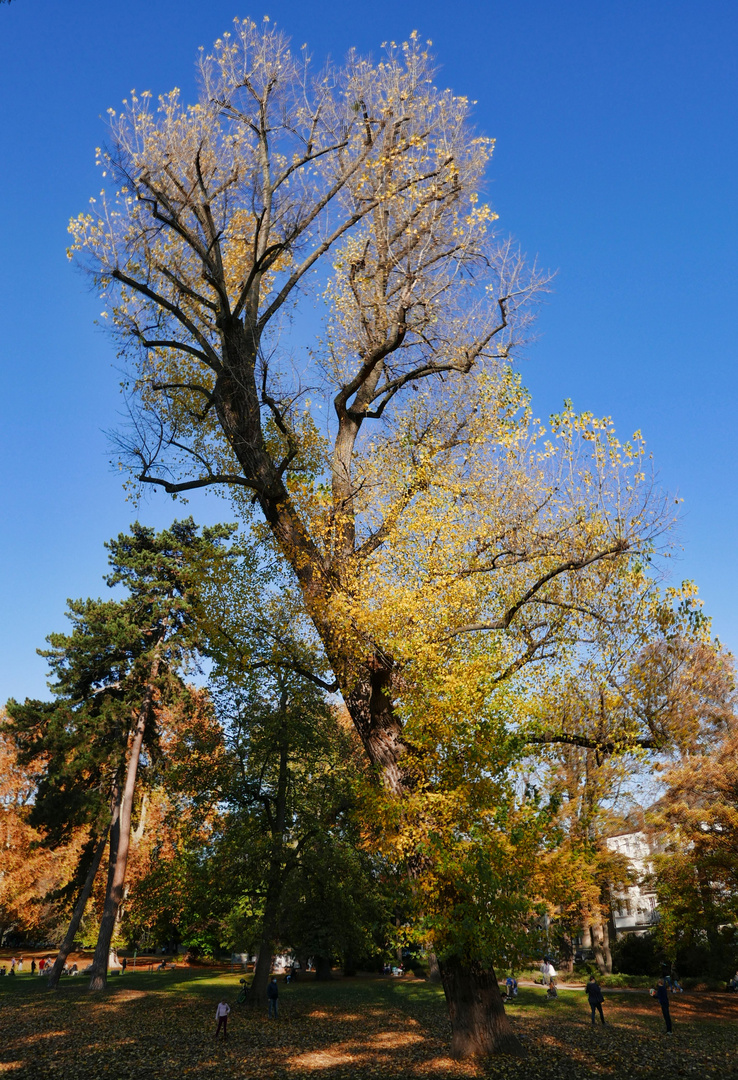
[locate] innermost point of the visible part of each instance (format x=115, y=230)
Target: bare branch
x=213, y=360
x=530, y=594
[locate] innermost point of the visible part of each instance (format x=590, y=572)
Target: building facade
x=634, y=907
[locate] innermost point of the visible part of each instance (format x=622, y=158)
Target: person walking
x=595, y=998
x=273, y=994
x=221, y=1015
x=662, y=996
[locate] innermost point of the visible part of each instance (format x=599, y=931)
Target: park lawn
x=163, y=1023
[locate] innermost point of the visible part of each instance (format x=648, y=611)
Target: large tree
x=361, y=181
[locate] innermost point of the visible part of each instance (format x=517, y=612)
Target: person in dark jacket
x=595, y=997
x=273, y=994
x=662, y=996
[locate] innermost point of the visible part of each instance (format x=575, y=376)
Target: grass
x=148, y=1024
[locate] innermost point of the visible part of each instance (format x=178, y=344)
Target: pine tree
x=112, y=676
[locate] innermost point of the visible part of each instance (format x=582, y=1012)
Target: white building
x=634, y=907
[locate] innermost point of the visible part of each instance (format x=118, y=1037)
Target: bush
x=635, y=981
x=614, y=981
x=584, y=969
x=704, y=960
x=638, y=955
x=712, y=985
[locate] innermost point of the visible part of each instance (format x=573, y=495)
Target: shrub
x=638, y=955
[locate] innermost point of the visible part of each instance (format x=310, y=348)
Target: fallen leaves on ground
x=151, y=1024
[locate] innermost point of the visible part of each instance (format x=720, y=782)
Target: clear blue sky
x=616, y=163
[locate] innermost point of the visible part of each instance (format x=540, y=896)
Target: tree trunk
x=275, y=881
x=708, y=909
x=567, y=953
x=262, y=970
x=601, y=945
x=323, y=969
x=606, y=948
x=119, y=851
x=479, y=1025
x=434, y=971
x=139, y=830
x=79, y=910
x=370, y=706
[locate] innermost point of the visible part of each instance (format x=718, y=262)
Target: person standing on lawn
x=273, y=994
x=662, y=996
x=221, y=1015
x=595, y=998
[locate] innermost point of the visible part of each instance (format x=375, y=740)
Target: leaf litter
x=337, y=1031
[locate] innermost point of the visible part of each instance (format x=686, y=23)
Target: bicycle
x=243, y=993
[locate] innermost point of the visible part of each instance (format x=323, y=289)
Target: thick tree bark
x=434, y=971
x=370, y=706
x=119, y=851
x=479, y=1025
x=79, y=910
